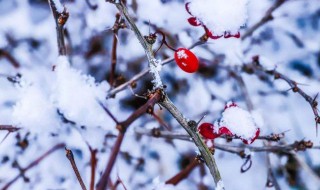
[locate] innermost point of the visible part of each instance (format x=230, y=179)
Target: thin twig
x=70, y=157
x=93, y=162
x=122, y=127
x=266, y=18
x=60, y=20
x=9, y=128
x=32, y=164
x=183, y=173
x=10, y=58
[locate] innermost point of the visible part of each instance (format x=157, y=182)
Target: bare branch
x=266, y=18
x=60, y=20
x=32, y=164
x=70, y=157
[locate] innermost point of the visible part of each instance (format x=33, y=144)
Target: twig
x=70, y=157
x=257, y=68
x=32, y=164
x=9, y=128
x=93, y=162
x=11, y=59
x=183, y=173
x=118, y=24
x=91, y=6
x=266, y=18
x=60, y=20
x=122, y=127
x=156, y=132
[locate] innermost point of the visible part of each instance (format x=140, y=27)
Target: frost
x=239, y=122
x=155, y=68
x=220, y=15
x=182, y=54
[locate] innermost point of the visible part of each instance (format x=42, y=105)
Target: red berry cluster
x=194, y=21
x=207, y=130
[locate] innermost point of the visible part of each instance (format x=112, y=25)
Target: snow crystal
x=239, y=122
x=220, y=15
x=58, y=5
x=155, y=68
x=220, y=185
x=182, y=54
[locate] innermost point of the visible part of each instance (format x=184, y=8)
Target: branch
x=9, y=128
x=10, y=58
x=266, y=18
x=257, y=68
x=60, y=20
x=32, y=164
x=190, y=127
x=156, y=132
x=187, y=125
x=183, y=173
x=122, y=127
x=70, y=157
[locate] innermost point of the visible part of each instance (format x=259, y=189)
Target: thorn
x=201, y=119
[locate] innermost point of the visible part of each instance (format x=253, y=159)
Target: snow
x=182, y=54
x=220, y=185
x=239, y=122
x=155, y=68
x=220, y=16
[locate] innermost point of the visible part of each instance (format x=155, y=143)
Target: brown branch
x=9, y=128
x=60, y=20
x=122, y=127
x=183, y=173
x=10, y=58
x=266, y=18
x=93, y=162
x=70, y=157
x=32, y=164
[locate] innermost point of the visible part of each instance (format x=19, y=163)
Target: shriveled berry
x=186, y=60
x=207, y=131
x=230, y=104
x=250, y=141
x=225, y=131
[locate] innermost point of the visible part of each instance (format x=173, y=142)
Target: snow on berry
x=223, y=18
x=240, y=123
x=186, y=60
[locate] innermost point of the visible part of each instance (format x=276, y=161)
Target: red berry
x=194, y=21
x=229, y=35
x=245, y=141
x=225, y=131
x=186, y=60
x=207, y=131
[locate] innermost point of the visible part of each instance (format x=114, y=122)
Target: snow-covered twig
x=183, y=174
